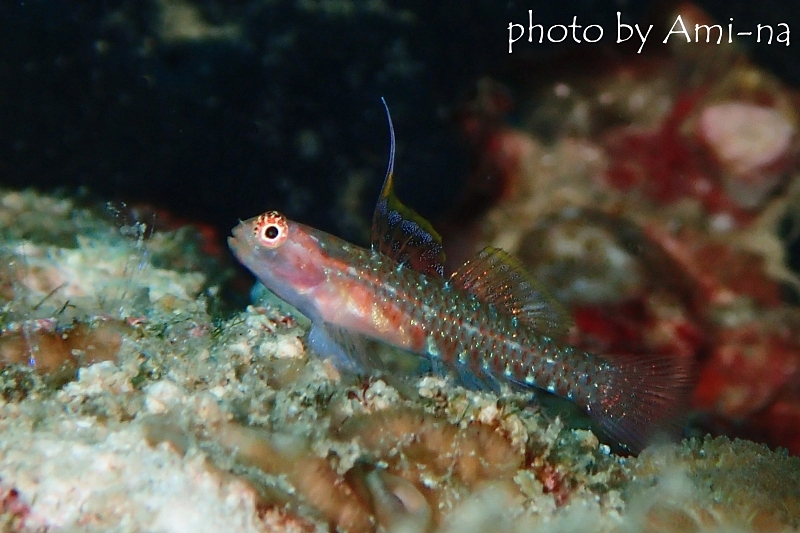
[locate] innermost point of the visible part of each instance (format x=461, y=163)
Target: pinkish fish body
x=488, y=324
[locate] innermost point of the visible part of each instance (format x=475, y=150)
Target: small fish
x=489, y=323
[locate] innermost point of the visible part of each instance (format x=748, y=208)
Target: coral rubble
x=165, y=419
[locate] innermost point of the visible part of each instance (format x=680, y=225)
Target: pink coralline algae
x=753, y=146
x=662, y=231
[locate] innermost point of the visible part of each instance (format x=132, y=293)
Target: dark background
x=276, y=104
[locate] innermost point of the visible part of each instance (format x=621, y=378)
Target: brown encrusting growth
x=188, y=422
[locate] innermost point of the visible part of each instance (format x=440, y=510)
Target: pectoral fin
x=356, y=353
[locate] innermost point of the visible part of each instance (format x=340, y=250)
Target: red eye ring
x=271, y=229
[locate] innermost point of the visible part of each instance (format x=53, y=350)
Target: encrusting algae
x=193, y=424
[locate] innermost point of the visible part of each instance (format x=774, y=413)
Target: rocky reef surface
x=660, y=200
x=129, y=403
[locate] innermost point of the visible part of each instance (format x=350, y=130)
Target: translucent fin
x=645, y=400
x=345, y=353
x=354, y=352
x=495, y=277
x=399, y=232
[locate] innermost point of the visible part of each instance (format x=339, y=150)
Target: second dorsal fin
x=399, y=232
x=497, y=278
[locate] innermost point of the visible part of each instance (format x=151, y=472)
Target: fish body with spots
x=488, y=323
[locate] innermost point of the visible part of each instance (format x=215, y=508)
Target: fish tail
x=645, y=398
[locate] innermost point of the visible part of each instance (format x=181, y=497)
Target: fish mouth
x=236, y=234
x=236, y=240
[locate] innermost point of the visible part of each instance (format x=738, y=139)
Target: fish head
x=287, y=257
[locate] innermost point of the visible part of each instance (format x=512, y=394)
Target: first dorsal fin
x=495, y=277
x=399, y=232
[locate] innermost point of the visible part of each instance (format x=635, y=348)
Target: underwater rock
x=752, y=145
x=201, y=424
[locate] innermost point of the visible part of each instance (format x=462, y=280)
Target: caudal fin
x=647, y=397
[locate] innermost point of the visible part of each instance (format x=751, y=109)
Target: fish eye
x=271, y=229
x=271, y=232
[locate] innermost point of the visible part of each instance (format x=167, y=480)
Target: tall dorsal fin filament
x=398, y=231
x=392, y=149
